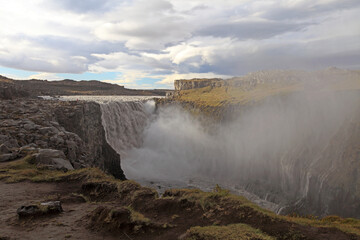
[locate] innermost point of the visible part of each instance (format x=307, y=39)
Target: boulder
x=28, y=211
x=54, y=159
x=8, y=157
x=38, y=210
x=52, y=207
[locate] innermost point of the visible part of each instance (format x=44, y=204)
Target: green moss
x=230, y=232
x=349, y=225
x=22, y=170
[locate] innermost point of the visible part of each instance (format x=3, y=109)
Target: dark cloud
x=309, y=10
x=75, y=47
x=25, y=62
x=284, y=56
x=250, y=29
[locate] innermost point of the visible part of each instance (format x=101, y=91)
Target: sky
x=150, y=43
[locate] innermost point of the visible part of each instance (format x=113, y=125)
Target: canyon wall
x=300, y=145
x=85, y=119
x=75, y=128
x=197, y=83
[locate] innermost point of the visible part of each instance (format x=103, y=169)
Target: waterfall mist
x=261, y=146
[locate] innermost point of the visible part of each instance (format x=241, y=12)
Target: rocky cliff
x=75, y=128
x=318, y=173
x=183, y=84
x=84, y=119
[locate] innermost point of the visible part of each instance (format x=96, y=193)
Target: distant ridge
x=34, y=87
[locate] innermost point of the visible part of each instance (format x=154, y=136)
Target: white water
x=101, y=99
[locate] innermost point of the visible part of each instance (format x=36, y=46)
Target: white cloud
x=177, y=38
x=45, y=76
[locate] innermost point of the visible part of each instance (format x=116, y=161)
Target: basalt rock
x=84, y=119
x=53, y=159
x=45, y=208
x=73, y=128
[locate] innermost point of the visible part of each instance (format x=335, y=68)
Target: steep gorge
x=299, y=150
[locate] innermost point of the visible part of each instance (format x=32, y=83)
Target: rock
x=84, y=121
x=36, y=210
x=28, y=211
x=11, y=143
x=6, y=157
x=45, y=130
x=28, y=149
x=4, y=149
x=197, y=83
x=30, y=126
x=53, y=158
x=53, y=207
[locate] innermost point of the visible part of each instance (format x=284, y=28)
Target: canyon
x=286, y=140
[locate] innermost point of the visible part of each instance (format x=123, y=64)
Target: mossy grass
x=230, y=232
x=137, y=217
x=24, y=170
x=349, y=225
x=220, y=96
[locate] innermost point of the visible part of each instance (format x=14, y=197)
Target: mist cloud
x=260, y=145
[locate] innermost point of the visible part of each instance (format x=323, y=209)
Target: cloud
x=84, y=6
x=288, y=10
x=251, y=29
x=164, y=39
x=45, y=76
x=26, y=55
x=145, y=25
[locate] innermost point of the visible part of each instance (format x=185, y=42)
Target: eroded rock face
x=197, y=83
x=73, y=128
x=84, y=119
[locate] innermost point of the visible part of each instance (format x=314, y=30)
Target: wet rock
x=54, y=159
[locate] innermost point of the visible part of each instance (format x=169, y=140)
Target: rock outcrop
x=319, y=173
x=53, y=159
x=183, y=84
x=73, y=128
x=84, y=119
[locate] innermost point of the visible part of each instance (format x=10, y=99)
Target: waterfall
x=283, y=150
x=124, y=123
